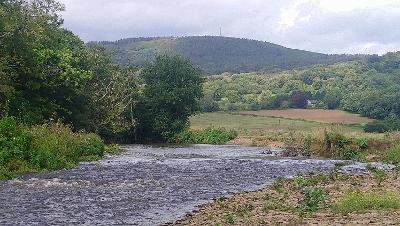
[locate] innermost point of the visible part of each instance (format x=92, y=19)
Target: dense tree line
x=219, y=54
x=369, y=87
x=48, y=74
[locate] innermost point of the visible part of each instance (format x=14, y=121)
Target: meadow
x=259, y=122
x=317, y=115
x=301, y=136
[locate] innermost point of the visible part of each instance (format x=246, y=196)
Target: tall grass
x=373, y=200
x=41, y=148
x=392, y=155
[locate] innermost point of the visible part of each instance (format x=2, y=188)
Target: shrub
x=230, y=219
x=376, y=127
x=363, y=143
x=349, y=154
x=112, y=149
x=334, y=139
x=207, y=136
x=359, y=201
x=313, y=198
x=14, y=145
x=56, y=146
x=47, y=147
x=390, y=123
x=392, y=155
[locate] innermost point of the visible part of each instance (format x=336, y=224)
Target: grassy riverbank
x=371, y=199
x=303, y=137
x=46, y=147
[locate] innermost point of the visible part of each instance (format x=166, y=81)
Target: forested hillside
x=219, y=54
x=369, y=87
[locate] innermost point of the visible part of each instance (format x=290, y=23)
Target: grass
x=357, y=201
x=316, y=115
x=392, y=155
x=252, y=125
x=310, y=200
x=307, y=138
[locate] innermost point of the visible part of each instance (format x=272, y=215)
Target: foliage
x=299, y=100
x=112, y=94
x=363, y=142
x=44, y=65
x=313, y=198
x=389, y=124
x=47, y=147
x=361, y=87
x=207, y=136
x=357, y=201
x=230, y=218
x=392, y=155
x=218, y=54
x=376, y=127
x=173, y=88
x=112, y=149
x=47, y=73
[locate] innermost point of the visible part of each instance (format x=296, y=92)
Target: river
x=147, y=185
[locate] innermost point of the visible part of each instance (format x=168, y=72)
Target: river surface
x=147, y=185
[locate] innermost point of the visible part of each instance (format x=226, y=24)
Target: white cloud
x=349, y=5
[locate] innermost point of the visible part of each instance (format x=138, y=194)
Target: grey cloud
x=347, y=32
x=324, y=31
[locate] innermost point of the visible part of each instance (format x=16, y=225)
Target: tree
x=299, y=100
x=332, y=98
x=172, y=91
x=112, y=95
x=44, y=65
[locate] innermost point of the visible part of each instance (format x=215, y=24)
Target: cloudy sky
x=328, y=26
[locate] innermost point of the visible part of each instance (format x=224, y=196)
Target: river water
x=147, y=185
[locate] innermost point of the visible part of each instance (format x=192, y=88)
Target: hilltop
x=219, y=54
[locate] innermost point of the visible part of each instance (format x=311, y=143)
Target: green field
x=250, y=124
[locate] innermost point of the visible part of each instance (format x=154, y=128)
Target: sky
x=326, y=26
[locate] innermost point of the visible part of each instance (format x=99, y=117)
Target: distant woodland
x=369, y=87
x=215, y=55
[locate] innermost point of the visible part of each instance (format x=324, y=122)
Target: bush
x=47, y=147
x=390, y=123
x=359, y=201
x=55, y=146
x=14, y=145
x=207, y=136
x=376, y=127
x=392, y=155
x=313, y=198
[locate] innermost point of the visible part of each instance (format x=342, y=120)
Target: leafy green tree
x=172, y=91
x=112, y=95
x=332, y=98
x=44, y=65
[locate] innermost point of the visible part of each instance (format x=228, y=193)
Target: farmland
x=257, y=122
x=317, y=115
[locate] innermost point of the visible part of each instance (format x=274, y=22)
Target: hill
x=369, y=87
x=219, y=54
